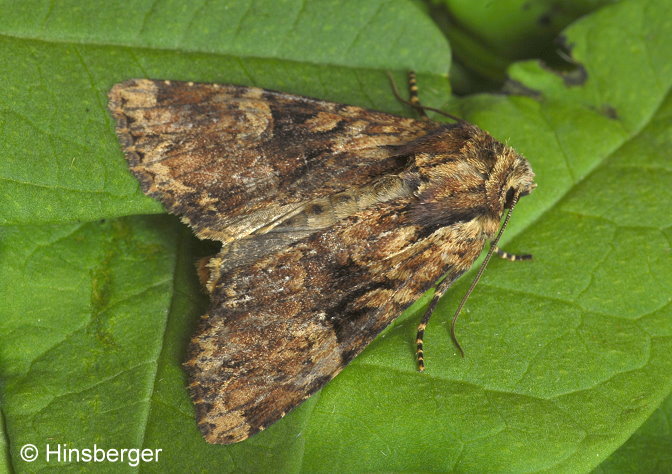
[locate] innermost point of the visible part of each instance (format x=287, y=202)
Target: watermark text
x=62, y=453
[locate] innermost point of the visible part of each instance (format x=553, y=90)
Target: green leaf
x=60, y=161
x=649, y=450
x=566, y=355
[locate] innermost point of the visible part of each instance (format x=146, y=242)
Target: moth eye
x=509, y=197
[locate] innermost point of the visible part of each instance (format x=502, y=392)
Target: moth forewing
x=333, y=220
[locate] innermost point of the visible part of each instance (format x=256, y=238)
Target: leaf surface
x=567, y=355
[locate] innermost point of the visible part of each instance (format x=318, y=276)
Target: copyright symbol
x=29, y=452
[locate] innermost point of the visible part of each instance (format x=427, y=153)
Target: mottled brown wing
x=234, y=160
x=334, y=218
x=280, y=328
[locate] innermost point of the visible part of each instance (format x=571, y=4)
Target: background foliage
x=567, y=355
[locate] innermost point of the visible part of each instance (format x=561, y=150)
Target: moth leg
x=512, y=257
x=207, y=270
x=203, y=272
x=414, y=100
x=440, y=291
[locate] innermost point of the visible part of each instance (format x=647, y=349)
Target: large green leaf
x=649, y=450
x=60, y=161
x=567, y=355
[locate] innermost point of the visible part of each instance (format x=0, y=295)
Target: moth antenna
x=417, y=106
x=493, y=247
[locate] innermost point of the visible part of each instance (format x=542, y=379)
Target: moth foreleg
x=440, y=291
x=414, y=100
x=512, y=257
x=203, y=272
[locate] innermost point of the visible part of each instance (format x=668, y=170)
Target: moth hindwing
x=333, y=219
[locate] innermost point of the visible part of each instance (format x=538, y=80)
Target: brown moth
x=333, y=220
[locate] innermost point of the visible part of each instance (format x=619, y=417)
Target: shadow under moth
x=333, y=219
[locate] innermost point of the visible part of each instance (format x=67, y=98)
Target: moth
x=333, y=219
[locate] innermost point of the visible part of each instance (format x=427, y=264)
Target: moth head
x=520, y=181
x=511, y=178
x=461, y=173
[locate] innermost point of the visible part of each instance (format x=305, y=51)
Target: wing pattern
x=333, y=220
